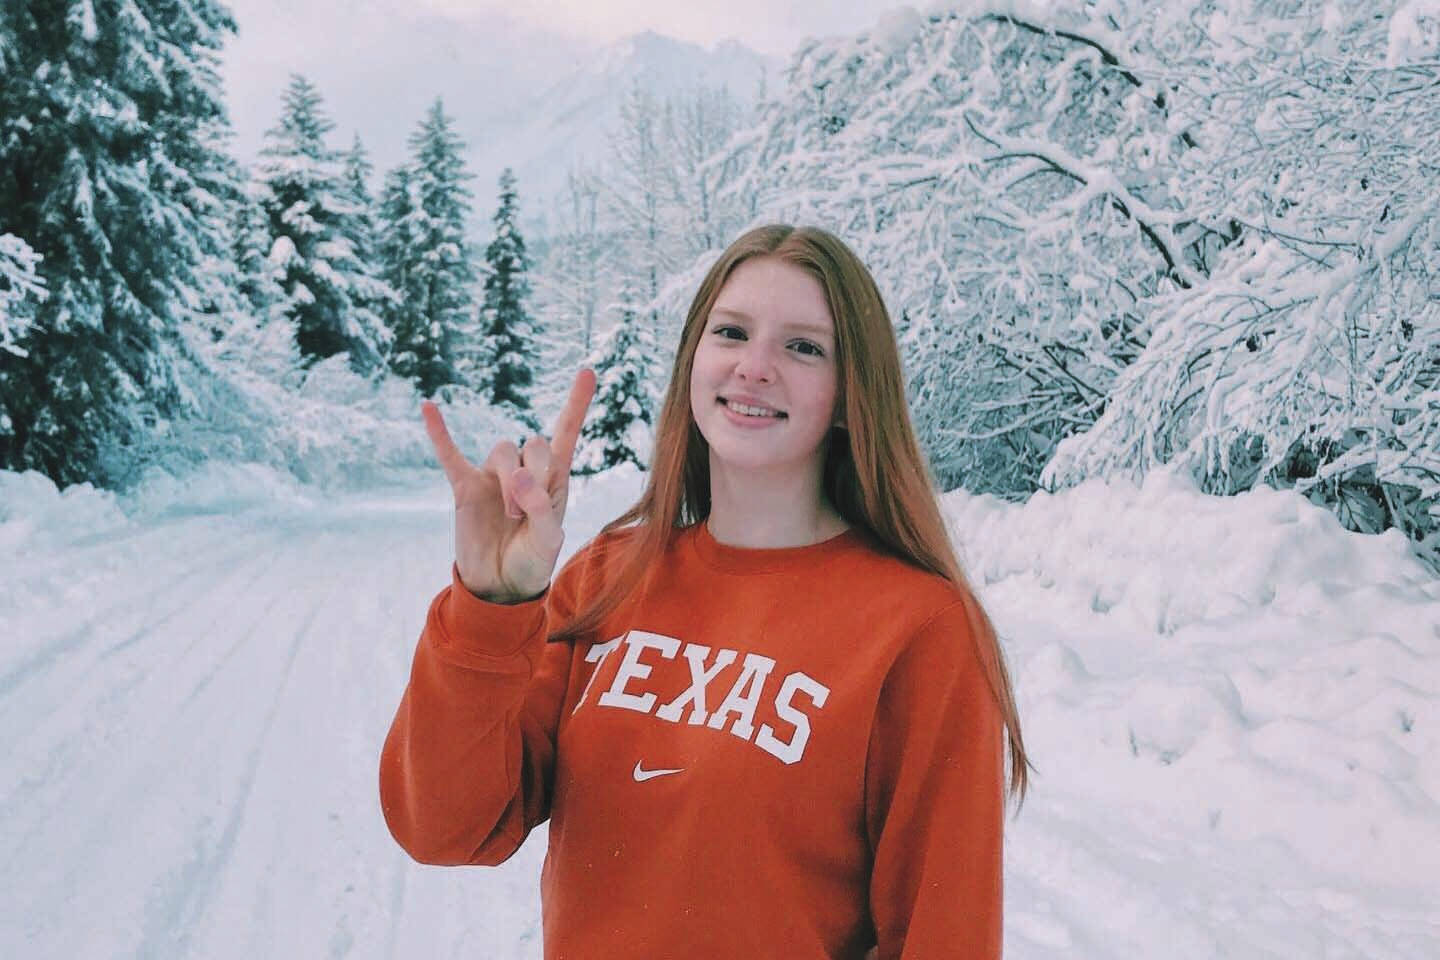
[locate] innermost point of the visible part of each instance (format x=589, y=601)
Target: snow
x=83, y=16
x=1231, y=703
x=895, y=30
x=1414, y=32
x=20, y=281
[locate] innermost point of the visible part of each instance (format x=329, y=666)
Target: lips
x=745, y=401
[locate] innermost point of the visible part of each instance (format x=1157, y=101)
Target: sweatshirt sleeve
x=467, y=768
x=934, y=798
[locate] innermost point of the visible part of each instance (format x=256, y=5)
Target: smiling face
x=769, y=342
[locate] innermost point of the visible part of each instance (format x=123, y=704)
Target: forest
x=1111, y=236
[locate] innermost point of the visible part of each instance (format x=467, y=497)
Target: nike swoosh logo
x=643, y=775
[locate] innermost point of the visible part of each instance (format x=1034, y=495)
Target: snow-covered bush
x=327, y=426
x=1310, y=353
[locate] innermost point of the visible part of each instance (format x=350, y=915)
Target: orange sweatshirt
x=785, y=753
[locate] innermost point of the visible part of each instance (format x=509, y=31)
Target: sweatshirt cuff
x=479, y=627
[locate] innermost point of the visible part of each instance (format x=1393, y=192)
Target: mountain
x=380, y=70
x=532, y=98
x=568, y=120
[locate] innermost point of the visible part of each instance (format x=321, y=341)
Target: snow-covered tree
x=576, y=271
x=21, y=291
x=650, y=213
x=637, y=195
x=508, y=346
x=109, y=124
x=1191, y=231
x=355, y=189
x=328, y=288
x=369, y=291
x=696, y=127
x=667, y=196
x=571, y=282
x=261, y=279
x=618, y=429
x=262, y=338
x=650, y=216
x=427, y=256
x=955, y=153
x=1309, y=356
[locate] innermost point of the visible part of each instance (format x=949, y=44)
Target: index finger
x=567, y=425
x=449, y=455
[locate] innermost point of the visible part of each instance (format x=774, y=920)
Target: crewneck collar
x=765, y=559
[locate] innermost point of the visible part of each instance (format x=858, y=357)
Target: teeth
x=751, y=411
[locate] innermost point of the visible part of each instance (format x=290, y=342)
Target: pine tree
x=426, y=255
x=326, y=284
x=355, y=189
x=371, y=294
x=21, y=290
x=508, y=348
x=261, y=279
x=109, y=122
x=262, y=337
x=625, y=399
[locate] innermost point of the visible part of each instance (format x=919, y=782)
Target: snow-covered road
x=193, y=705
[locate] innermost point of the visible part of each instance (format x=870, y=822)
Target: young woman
x=770, y=719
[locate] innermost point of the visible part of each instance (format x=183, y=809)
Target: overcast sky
x=379, y=64
x=769, y=26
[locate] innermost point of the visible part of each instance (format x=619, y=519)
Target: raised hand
x=509, y=510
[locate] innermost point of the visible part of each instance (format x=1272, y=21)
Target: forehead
x=771, y=290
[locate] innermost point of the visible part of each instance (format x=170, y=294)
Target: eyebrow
x=807, y=327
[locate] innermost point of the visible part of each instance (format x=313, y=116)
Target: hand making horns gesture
x=509, y=510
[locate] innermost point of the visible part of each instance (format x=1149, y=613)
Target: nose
x=756, y=362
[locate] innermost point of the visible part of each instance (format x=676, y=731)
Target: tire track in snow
x=313, y=864
x=145, y=805
x=112, y=691
x=190, y=800
x=173, y=908
x=54, y=650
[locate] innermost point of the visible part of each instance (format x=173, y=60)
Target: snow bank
x=1228, y=673
x=1165, y=555
x=35, y=513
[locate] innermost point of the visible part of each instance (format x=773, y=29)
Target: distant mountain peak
x=569, y=119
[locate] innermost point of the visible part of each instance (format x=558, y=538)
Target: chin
x=755, y=456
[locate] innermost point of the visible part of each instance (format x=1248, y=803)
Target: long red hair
x=874, y=473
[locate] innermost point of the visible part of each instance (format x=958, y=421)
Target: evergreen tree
x=328, y=287
x=21, y=290
x=262, y=336
x=110, y=173
x=625, y=401
x=427, y=258
x=508, y=347
x=261, y=279
x=371, y=293
x=355, y=189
